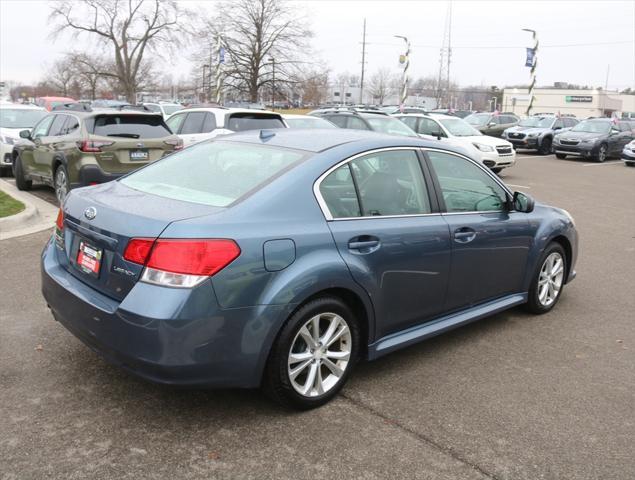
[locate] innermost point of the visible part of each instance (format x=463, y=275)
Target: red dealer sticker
x=89, y=258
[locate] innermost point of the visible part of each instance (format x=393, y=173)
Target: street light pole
x=406, y=64
x=532, y=73
x=273, y=82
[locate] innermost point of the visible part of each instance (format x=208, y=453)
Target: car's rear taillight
x=59, y=229
x=180, y=263
x=177, y=144
x=89, y=146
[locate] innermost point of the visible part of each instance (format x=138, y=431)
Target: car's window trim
x=327, y=212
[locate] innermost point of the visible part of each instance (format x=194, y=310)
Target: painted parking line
x=614, y=162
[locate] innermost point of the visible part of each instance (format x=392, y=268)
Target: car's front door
x=33, y=163
x=44, y=153
x=490, y=243
x=389, y=233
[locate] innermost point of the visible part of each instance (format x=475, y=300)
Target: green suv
x=78, y=146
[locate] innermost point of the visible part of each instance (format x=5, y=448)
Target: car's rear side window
x=128, y=126
x=216, y=174
x=239, y=122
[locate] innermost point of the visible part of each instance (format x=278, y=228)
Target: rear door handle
x=464, y=234
x=363, y=243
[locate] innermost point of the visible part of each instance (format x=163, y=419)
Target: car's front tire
x=313, y=355
x=630, y=164
x=545, y=146
x=549, y=279
x=20, y=180
x=602, y=153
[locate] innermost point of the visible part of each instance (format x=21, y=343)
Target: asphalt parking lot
x=510, y=397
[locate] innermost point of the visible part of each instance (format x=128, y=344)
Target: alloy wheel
x=320, y=354
x=602, y=153
x=61, y=184
x=551, y=278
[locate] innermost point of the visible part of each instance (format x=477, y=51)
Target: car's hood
x=11, y=132
x=580, y=135
x=519, y=129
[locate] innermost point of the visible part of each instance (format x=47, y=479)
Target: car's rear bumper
x=165, y=335
x=92, y=175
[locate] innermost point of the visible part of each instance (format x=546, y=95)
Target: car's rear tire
x=561, y=156
x=548, y=281
x=497, y=170
x=21, y=182
x=602, y=153
x=313, y=355
x=545, y=146
x=61, y=183
x=630, y=164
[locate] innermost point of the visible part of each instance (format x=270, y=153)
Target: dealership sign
x=579, y=98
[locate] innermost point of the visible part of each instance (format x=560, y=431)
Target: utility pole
x=361, y=82
x=444, y=59
x=532, y=72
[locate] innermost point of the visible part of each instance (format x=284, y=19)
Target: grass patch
x=9, y=205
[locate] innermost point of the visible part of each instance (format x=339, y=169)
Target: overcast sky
x=579, y=39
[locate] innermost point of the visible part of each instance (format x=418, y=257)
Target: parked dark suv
x=597, y=138
x=79, y=147
x=536, y=132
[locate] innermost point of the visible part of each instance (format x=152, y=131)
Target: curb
x=37, y=215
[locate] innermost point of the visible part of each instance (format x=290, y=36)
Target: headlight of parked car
x=483, y=148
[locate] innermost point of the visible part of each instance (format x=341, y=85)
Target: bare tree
x=380, y=85
x=90, y=69
x=260, y=36
x=61, y=76
x=131, y=29
x=315, y=87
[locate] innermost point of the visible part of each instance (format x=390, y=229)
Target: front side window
x=466, y=187
x=175, y=121
x=215, y=174
x=58, y=126
x=428, y=126
x=42, y=128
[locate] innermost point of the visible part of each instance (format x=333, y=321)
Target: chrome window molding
x=329, y=217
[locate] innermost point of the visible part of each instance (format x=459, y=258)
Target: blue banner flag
x=221, y=55
x=531, y=54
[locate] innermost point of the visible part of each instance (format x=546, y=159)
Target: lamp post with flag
x=531, y=62
x=219, y=70
x=405, y=61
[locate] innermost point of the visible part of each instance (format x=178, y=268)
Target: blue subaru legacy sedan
x=280, y=258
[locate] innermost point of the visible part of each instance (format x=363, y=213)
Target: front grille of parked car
x=504, y=150
x=515, y=135
x=569, y=142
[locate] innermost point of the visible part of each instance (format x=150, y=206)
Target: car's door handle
x=363, y=243
x=464, y=234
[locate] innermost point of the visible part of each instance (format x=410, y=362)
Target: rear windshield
x=128, y=126
x=239, y=122
x=216, y=173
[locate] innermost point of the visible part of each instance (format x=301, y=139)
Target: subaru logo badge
x=90, y=213
x=140, y=145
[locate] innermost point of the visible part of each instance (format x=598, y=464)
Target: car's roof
x=292, y=115
x=426, y=115
x=306, y=139
x=227, y=111
x=20, y=106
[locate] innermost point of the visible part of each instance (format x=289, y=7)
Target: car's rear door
x=31, y=151
x=388, y=231
x=490, y=243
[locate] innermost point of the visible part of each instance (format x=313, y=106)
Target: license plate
x=139, y=155
x=89, y=258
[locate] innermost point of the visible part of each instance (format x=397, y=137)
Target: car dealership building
x=581, y=103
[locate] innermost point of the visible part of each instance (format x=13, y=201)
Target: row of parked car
x=75, y=144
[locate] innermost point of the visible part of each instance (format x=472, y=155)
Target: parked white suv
x=493, y=152
x=164, y=108
x=15, y=117
x=194, y=125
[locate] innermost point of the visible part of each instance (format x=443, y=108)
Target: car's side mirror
x=491, y=124
x=614, y=131
x=523, y=202
x=25, y=133
x=557, y=128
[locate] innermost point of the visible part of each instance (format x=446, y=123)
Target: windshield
x=458, y=127
x=216, y=173
x=170, y=109
x=311, y=122
x=477, y=119
x=539, y=122
x=389, y=125
x=591, y=126
x=20, y=118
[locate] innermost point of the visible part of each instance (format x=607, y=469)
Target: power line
x=564, y=45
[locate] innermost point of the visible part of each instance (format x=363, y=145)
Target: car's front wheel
x=60, y=183
x=545, y=146
x=20, y=180
x=313, y=355
x=602, y=153
x=548, y=281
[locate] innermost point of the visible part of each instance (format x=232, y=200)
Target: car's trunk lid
x=98, y=224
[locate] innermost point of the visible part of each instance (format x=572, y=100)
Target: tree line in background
x=267, y=56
